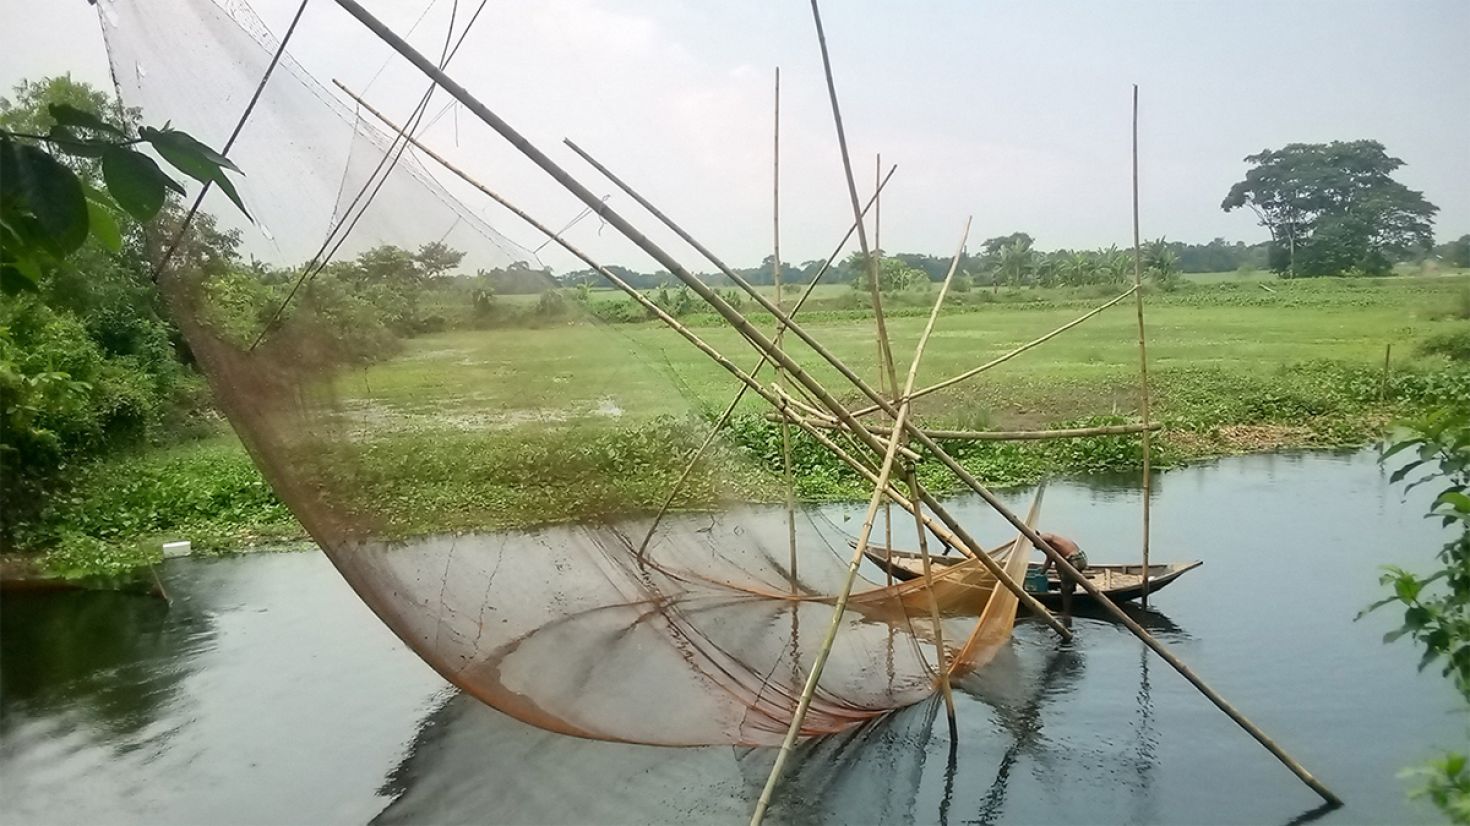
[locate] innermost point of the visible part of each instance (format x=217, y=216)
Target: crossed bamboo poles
x=899, y=414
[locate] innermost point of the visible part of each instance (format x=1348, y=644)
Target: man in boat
x=1074, y=555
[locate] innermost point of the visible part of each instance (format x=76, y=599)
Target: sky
x=1015, y=114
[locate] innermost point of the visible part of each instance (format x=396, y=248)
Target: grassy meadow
x=472, y=429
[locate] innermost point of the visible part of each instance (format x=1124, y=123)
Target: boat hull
x=1118, y=582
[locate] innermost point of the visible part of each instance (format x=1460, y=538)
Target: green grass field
x=575, y=371
x=479, y=429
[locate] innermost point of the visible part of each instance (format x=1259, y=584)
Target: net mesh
x=481, y=466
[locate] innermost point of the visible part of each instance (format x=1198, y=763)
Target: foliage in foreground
x=87, y=358
x=1437, y=606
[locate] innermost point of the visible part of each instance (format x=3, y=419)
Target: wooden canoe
x=1119, y=582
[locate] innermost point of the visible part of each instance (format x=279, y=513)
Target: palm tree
x=1163, y=265
x=1117, y=265
x=1079, y=268
x=1017, y=261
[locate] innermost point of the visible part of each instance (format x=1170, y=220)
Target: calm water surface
x=268, y=694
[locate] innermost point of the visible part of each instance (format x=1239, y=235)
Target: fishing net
x=476, y=449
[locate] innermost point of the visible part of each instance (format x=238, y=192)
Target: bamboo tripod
x=820, y=396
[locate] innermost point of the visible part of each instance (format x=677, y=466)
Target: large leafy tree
x=1334, y=208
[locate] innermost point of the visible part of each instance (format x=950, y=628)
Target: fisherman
x=1074, y=555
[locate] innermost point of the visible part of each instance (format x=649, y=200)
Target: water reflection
x=270, y=694
x=1064, y=667
x=109, y=662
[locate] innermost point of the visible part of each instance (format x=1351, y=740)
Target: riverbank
x=496, y=429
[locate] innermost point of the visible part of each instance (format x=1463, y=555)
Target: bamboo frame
x=788, y=478
x=746, y=329
x=1018, y=435
x=885, y=364
x=1143, y=399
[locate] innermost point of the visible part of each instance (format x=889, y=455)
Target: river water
x=268, y=694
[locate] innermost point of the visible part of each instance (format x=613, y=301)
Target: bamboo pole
x=743, y=326
x=886, y=469
x=999, y=360
x=1014, y=435
x=869, y=258
x=789, y=479
x=882, y=363
x=740, y=393
x=1143, y=399
x=913, y=483
x=1383, y=385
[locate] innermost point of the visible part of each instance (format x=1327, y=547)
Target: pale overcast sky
x=1016, y=113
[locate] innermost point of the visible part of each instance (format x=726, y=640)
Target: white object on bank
x=176, y=549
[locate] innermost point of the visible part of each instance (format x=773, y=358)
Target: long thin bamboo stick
x=864, y=535
x=912, y=479
x=789, y=478
x=1143, y=399
x=1013, y=435
x=883, y=364
x=743, y=326
x=1002, y=359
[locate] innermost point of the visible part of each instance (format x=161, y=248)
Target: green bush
x=66, y=398
x=1454, y=344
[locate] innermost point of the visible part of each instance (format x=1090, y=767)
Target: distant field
x=575, y=370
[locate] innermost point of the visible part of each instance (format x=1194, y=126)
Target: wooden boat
x=1119, y=582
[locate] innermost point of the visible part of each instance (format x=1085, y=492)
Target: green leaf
x=196, y=160
x=104, y=226
x=65, y=140
x=51, y=193
x=1398, y=475
x=1398, y=446
x=136, y=182
x=19, y=276
x=68, y=115
x=229, y=189
x=1454, y=499
x=185, y=145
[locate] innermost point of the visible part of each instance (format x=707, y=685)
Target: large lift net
x=508, y=539
x=544, y=506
